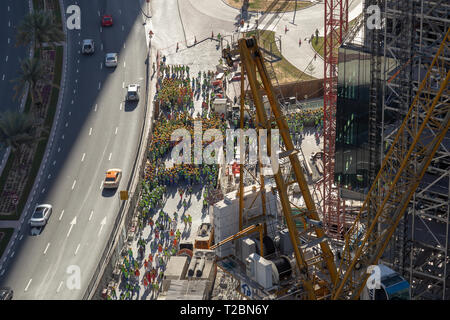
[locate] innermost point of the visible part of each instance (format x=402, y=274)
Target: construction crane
x=414, y=146
x=245, y=232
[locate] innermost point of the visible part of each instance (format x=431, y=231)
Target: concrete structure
x=176, y=270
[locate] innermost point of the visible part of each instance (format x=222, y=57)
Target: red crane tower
x=336, y=25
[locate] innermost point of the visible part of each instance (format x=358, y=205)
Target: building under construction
x=380, y=74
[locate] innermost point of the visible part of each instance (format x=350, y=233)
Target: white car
x=40, y=216
x=88, y=46
x=111, y=60
x=133, y=92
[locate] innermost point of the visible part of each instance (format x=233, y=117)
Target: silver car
x=40, y=215
x=88, y=46
x=111, y=60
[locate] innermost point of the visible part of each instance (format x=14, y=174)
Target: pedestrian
x=299, y=42
x=285, y=29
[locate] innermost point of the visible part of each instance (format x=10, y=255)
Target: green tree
x=18, y=129
x=39, y=27
x=31, y=71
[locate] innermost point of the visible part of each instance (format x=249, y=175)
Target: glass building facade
x=352, y=119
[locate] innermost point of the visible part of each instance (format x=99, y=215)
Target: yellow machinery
x=416, y=142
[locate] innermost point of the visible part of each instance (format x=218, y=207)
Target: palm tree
x=31, y=71
x=18, y=129
x=39, y=27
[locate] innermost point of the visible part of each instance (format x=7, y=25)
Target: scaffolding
x=419, y=249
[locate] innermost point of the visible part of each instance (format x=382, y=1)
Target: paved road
x=11, y=13
x=97, y=130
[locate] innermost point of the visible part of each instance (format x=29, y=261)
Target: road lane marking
x=49, y=176
x=21, y=237
x=46, y=248
x=78, y=70
x=90, y=217
x=102, y=224
x=82, y=158
x=90, y=131
x=3, y=78
x=101, y=29
x=60, y=217
x=120, y=108
x=124, y=45
x=110, y=155
x=117, y=128
x=59, y=287
x=26, y=288
x=62, y=137
x=74, y=183
x=101, y=46
x=72, y=102
x=123, y=85
x=12, y=254
x=43, y=190
x=8, y=8
x=54, y=162
x=124, y=64
x=74, y=222
x=6, y=58
x=101, y=65
x=9, y=40
x=101, y=184
x=98, y=12
x=67, y=124
x=95, y=109
x=9, y=23
x=74, y=91
x=99, y=85
x=78, y=247
x=59, y=149
x=70, y=113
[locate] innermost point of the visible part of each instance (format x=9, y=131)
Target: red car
x=107, y=20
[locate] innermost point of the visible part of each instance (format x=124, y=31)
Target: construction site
x=356, y=207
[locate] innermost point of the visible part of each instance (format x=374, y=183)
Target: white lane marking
x=46, y=248
x=12, y=254
x=70, y=113
x=110, y=155
x=71, y=102
x=123, y=85
x=124, y=64
x=49, y=176
x=74, y=91
x=95, y=109
x=8, y=8
x=99, y=85
x=101, y=46
x=123, y=28
x=98, y=12
x=9, y=40
x=26, y=288
x=117, y=128
x=124, y=45
x=101, y=65
x=6, y=58
x=120, y=11
x=59, y=287
x=67, y=124
x=82, y=158
x=102, y=224
x=101, y=184
x=59, y=149
x=62, y=137
x=60, y=217
x=78, y=247
x=54, y=162
x=101, y=29
x=120, y=108
x=74, y=183
x=43, y=190
x=21, y=237
x=78, y=61
x=90, y=131
x=78, y=70
x=3, y=78
x=74, y=222
x=9, y=23
x=90, y=217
